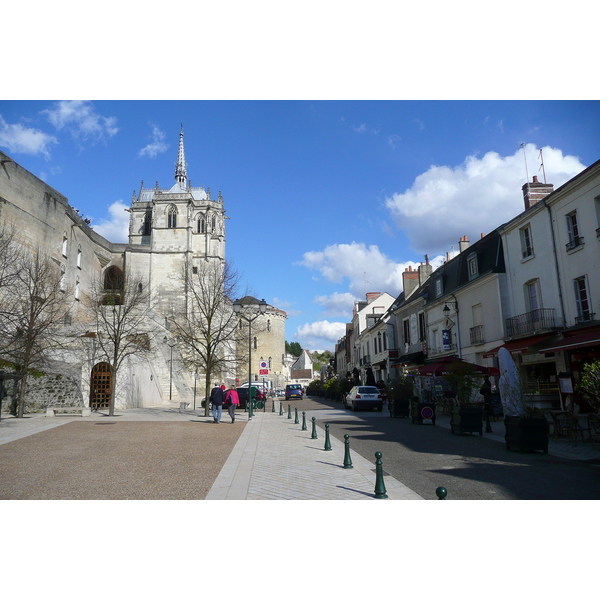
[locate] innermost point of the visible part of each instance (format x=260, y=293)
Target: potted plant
x=467, y=415
x=526, y=429
x=589, y=386
x=399, y=394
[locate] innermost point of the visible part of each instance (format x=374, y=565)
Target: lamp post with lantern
x=237, y=308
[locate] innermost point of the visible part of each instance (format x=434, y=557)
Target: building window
x=582, y=300
x=406, y=331
x=526, y=242
x=194, y=270
x=64, y=245
x=473, y=268
x=384, y=341
x=422, y=326
x=439, y=287
x=532, y=296
x=575, y=240
x=201, y=225
x=214, y=224
x=255, y=343
x=147, y=225
x=172, y=217
x=77, y=290
x=79, y=257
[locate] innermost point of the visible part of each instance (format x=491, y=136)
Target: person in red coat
x=232, y=401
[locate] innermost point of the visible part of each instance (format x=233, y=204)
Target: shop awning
x=415, y=357
x=446, y=365
x=582, y=340
x=518, y=346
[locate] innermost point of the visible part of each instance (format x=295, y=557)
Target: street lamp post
x=237, y=308
x=170, y=368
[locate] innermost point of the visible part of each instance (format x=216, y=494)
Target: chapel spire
x=180, y=167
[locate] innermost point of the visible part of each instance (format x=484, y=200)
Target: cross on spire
x=180, y=167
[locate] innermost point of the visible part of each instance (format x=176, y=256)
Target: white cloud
x=157, y=145
x=365, y=267
x=25, y=140
x=116, y=227
x=320, y=334
x=337, y=305
x=81, y=120
x=445, y=203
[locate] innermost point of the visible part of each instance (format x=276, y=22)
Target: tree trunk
x=207, y=392
x=21, y=401
x=113, y=386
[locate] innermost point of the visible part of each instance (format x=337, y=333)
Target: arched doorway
x=100, y=386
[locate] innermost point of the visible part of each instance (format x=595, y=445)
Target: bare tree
x=35, y=307
x=207, y=328
x=120, y=309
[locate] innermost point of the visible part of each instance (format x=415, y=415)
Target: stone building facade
x=168, y=227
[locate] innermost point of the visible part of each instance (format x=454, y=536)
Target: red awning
x=582, y=340
x=517, y=346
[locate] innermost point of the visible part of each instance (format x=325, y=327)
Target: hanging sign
x=446, y=339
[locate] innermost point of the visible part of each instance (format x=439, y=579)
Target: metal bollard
x=304, y=428
x=347, y=460
x=296, y=422
x=314, y=429
x=289, y=411
x=441, y=493
x=280, y=408
x=327, y=442
x=380, y=491
x=273, y=409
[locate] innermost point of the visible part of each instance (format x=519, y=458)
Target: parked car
x=293, y=390
x=364, y=396
x=243, y=395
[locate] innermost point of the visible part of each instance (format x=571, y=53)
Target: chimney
x=463, y=243
x=535, y=191
x=410, y=281
x=425, y=270
x=372, y=296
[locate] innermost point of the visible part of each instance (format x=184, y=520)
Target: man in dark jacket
x=217, y=395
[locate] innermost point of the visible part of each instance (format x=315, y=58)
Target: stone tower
x=168, y=227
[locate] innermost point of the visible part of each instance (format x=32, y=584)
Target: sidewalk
x=275, y=460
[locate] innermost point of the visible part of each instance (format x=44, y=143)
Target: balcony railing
x=536, y=320
x=574, y=243
x=586, y=316
x=476, y=335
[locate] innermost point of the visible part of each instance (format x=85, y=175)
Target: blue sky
x=335, y=172
x=326, y=199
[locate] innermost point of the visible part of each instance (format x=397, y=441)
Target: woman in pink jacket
x=232, y=401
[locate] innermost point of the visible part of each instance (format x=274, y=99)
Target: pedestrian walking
x=217, y=396
x=232, y=401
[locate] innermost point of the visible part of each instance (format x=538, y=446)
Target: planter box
x=400, y=408
x=525, y=434
x=467, y=419
x=423, y=412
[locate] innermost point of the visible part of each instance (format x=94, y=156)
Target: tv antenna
x=541, y=157
x=522, y=146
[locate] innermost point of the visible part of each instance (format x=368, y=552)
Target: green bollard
x=327, y=442
x=304, y=421
x=280, y=409
x=380, y=491
x=273, y=409
x=347, y=460
x=441, y=493
x=289, y=411
x=314, y=429
x=296, y=422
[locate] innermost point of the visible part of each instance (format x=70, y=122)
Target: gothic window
x=79, y=257
x=64, y=245
x=113, y=286
x=214, y=224
x=77, y=290
x=201, y=225
x=172, y=217
x=147, y=226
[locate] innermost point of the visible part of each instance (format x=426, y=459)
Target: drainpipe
x=560, y=295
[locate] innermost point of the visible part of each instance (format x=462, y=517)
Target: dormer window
x=473, y=266
x=439, y=287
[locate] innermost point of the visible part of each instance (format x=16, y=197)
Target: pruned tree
x=207, y=328
x=119, y=307
x=35, y=306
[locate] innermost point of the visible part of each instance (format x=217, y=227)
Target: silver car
x=364, y=396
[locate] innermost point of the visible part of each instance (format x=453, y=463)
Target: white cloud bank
x=80, y=118
x=25, y=140
x=157, y=145
x=445, y=203
x=116, y=227
x=314, y=336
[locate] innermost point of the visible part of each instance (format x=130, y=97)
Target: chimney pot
x=535, y=179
